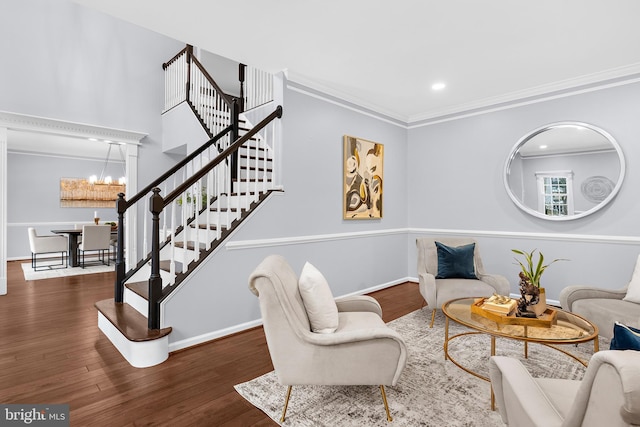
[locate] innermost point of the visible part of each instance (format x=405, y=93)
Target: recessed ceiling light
x=542, y=147
x=438, y=86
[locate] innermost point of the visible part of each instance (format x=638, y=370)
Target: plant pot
x=541, y=306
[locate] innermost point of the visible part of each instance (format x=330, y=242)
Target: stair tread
x=204, y=226
x=166, y=265
x=190, y=245
x=129, y=322
x=139, y=288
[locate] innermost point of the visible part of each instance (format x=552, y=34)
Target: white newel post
x=3, y=211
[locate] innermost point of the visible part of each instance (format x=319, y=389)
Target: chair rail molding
x=24, y=123
x=307, y=239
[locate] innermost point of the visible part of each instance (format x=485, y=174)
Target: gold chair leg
x=433, y=317
x=286, y=403
x=386, y=405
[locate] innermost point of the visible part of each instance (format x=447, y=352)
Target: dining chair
x=46, y=245
x=95, y=238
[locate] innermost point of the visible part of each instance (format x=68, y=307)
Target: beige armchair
x=608, y=395
x=45, y=245
x=361, y=351
x=438, y=291
x=603, y=307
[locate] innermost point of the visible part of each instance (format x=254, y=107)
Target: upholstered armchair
x=436, y=290
x=95, y=238
x=358, y=348
x=45, y=245
x=604, y=307
x=608, y=395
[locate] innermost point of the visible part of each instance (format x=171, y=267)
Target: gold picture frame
x=363, y=178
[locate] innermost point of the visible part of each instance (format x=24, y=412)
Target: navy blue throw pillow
x=625, y=337
x=455, y=262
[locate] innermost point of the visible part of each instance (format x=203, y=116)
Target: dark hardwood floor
x=51, y=351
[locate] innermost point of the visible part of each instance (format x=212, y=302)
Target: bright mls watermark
x=36, y=415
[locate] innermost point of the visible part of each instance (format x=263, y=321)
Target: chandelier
x=93, y=179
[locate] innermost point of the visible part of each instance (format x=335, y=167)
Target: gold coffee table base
x=455, y=310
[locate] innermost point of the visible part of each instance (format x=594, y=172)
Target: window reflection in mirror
x=564, y=171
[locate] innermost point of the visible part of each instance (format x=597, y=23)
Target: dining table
x=72, y=237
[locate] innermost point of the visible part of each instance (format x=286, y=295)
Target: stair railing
x=256, y=87
x=186, y=79
x=170, y=180
x=213, y=175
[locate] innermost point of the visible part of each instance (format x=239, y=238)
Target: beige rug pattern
x=430, y=392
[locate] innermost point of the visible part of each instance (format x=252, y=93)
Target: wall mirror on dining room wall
x=564, y=171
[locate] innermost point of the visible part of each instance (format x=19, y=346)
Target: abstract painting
x=363, y=178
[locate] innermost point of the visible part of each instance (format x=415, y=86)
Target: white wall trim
x=319, y=238
x=209, y=336
x=463, y=112
x=24, y=122
x=566, y=237
x=341, y=102
x=296, y=240
x=556, y=90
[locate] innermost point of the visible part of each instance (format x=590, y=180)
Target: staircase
x=189, y=211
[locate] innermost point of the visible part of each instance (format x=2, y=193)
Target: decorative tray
x=546, y=320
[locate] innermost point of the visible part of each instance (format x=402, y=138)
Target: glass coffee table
x=567, y=328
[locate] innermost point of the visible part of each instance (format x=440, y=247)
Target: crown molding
x=600, y=80
x=586, y=83
x=321, y=91
x=24, y=122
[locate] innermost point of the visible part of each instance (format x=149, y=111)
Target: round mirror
x=564, y=171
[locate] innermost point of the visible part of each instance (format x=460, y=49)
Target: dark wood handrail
x=277, y=113
x=176, y=56
x=146, y=190
x=227, y=99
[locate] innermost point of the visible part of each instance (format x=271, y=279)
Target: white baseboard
x=210, y=336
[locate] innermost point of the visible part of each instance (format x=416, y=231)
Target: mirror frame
x=522, y=141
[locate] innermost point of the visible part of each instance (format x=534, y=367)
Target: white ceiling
x=385, y=55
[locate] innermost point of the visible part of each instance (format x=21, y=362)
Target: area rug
x=29, y=274
x=430, y=392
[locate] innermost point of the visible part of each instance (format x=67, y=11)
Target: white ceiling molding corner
x=24, y=122
x=588, y=83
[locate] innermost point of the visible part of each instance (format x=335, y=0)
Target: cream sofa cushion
x=318, y=300
x=633, y=290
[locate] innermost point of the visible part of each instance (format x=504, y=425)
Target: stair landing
x=128, y=330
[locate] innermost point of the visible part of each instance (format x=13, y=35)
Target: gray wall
x=67, y=62
x=74, y=64
x=353, y=255
x=455, y=183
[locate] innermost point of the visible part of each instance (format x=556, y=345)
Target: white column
x=3, y=210
x=131, y=216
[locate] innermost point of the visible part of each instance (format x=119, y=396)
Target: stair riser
x=185, y=256
x=244, y=186
x=136, y=301
x=138, y=354
x=233, y=202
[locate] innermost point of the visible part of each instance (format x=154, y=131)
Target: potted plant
x=533, y=295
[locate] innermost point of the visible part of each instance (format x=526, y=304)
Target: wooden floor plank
x=51, y=351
